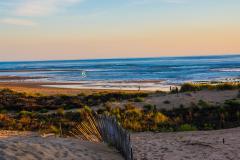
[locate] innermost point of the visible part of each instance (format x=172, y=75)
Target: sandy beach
x=40, y=82
x=31, y=146
x=197, y=145
x=200, y=145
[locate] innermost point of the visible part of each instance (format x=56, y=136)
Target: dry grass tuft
x=87, y=129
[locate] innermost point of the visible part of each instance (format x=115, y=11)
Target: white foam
x=116, y=86
x=228, y=70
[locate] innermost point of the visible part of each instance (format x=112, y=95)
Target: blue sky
x=73, y=29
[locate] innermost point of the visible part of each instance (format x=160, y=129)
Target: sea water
x=129, y=72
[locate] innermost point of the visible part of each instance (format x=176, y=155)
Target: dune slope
x=34, y=147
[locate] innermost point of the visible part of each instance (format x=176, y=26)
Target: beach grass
x=59, y=113
x=199, y=86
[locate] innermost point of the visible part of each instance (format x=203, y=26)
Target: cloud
x=35, y=8
x=18, y=22
x=18, y=10
x=164, y=1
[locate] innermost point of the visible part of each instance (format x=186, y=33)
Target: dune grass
x=87, y=129
x=23, y=112
x=198, y=86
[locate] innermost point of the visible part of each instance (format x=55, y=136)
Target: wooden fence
x=113, y=134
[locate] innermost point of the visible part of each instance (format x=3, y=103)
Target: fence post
x=115, y=135
x=60, y=128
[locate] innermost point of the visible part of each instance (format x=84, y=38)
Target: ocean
x=128, y=72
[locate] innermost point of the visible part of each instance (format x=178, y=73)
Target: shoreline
x=39, y=88
x=20, y=78
x=37, y=85
x=41, y=83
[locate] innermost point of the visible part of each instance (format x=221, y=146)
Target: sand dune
x=34, y=147
x=199, y=145
x=214, y=97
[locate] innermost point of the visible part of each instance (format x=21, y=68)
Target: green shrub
x=203, y=104
x=43, y=110
x=138, y=99
x=3, y=111
x=189, y=87
x=25, y=113
x=226, y=86
x=166, y=129
x=208, y=127
x=87, y=109
x=55, y=130
x=232, y=103
x=129, y=106
x=149, y=107
x=160, y=92
x=60, y=111
x=197, y=87
x=187, y=127
x=238, y=115
x=112, y=99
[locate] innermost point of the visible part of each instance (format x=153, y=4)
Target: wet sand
x=17, y=82
x=41, y=87
x=17, y=78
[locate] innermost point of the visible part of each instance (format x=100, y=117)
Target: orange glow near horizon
x=157, y=28
x=174, y=43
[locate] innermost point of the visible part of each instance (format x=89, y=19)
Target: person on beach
x=177, y=90
x=139, y=88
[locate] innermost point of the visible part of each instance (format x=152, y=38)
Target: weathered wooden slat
x=113, y=134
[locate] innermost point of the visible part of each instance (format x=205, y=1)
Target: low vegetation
x=19, y=111
x=200, y=116
x=139, y=99
x=30, y=121
x=220, y=86
x=14, y=101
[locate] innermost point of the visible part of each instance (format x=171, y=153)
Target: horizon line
x=117, y=58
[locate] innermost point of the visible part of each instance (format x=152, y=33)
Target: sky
x=82, y=29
